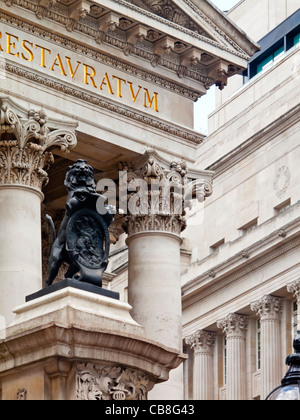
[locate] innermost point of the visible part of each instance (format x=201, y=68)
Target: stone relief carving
x=25, y=144
x=168, y=10
x=96, y=382
x=282, y=181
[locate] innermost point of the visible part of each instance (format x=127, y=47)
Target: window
x=215, y=247
x=274, y=46
x=248, y=227
x=282, y=207
x=270, y=59
x=297, y=39
x=258, y=344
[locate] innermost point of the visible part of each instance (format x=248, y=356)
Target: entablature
x=175, y=37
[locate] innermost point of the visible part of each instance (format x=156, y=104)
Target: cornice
x=256, y=141
x=230, y=46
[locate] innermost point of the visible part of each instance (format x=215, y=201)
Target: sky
x=206, y=104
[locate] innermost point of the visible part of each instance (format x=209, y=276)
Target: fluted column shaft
x=235, y=327
x=269, y=309
x=202, y=342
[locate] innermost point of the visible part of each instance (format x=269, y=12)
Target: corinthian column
x=26, y=142
x=202, y=342
x=234, y=327
x=156, y=196
x=269, y=309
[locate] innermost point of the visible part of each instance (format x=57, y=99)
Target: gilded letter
x=25, y=48
x=106, y=82
x=58, y=62
x=134, y=96
x=119, y=94
x=43, y=54
x=11, y=44
x=90, y=75
x=72, y=72
x=150, y=101
x=0, y=38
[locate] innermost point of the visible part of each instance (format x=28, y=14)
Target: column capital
x=201, y=341
x=268, y=308
x=294, y=288
x=26, y=143
x=156, y=193
x=234, y=325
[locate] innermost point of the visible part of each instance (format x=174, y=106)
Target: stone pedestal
x=76, y=345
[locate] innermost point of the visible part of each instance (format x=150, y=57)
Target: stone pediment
x=170, y=11
x=199, y=18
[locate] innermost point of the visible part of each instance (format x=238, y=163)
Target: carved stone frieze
x=95, y=382
x=26, y=143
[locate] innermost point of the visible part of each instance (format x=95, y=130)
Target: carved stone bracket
x=95, y=382
x=26, y=142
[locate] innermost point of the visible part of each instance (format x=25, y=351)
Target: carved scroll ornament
x=26, y=143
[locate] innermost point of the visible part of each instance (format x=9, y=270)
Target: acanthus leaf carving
x=96, y=382
x=162, y=192
x=26, y=143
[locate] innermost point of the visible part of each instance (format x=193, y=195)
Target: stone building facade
x=241, y=283
x=114, y=82
x=240, y=255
